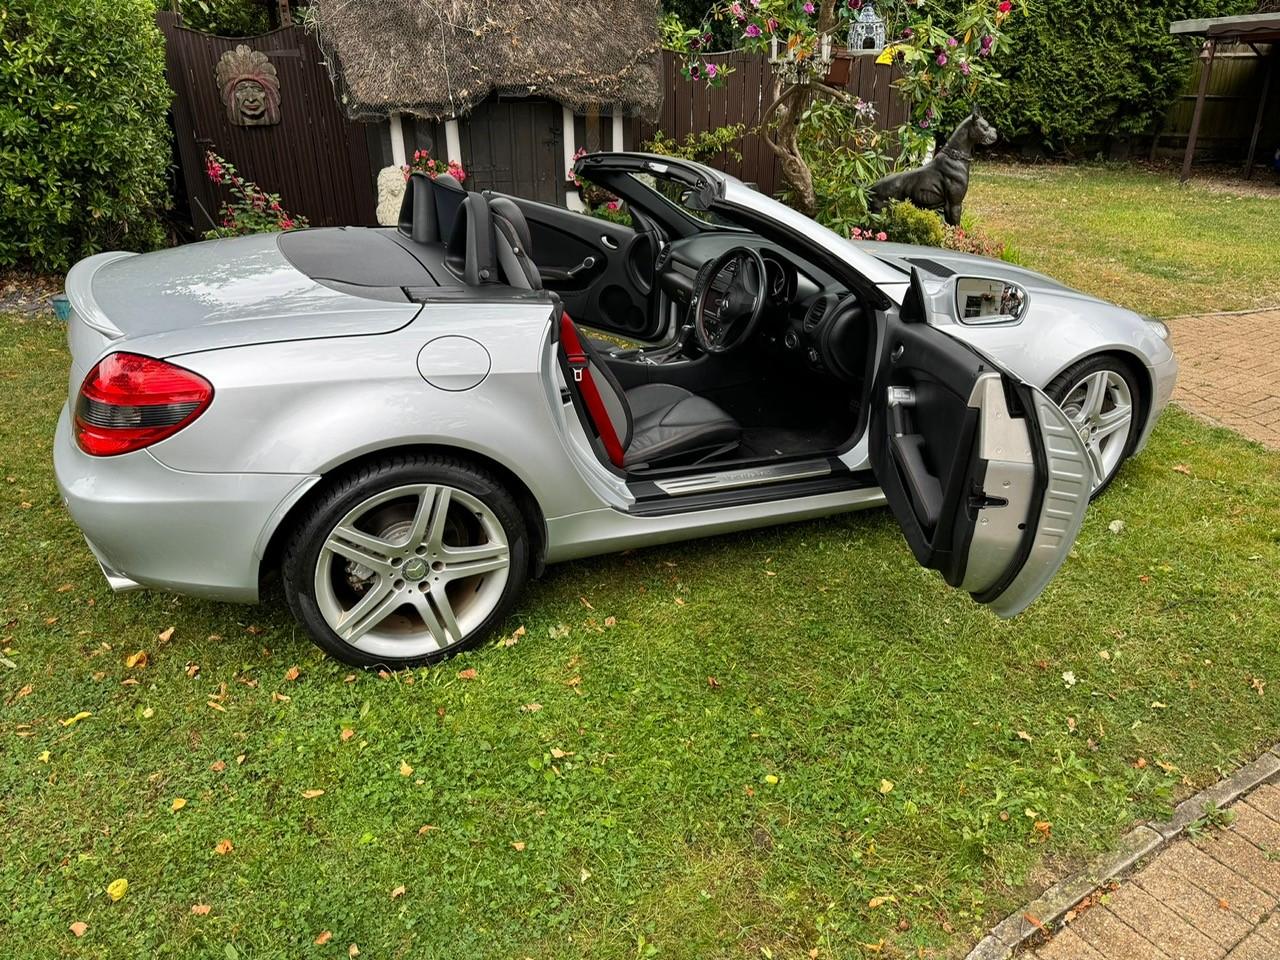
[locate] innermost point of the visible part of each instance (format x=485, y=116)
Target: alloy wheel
x=412, y=570
x=1100, y=407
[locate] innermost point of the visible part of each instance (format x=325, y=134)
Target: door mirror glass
x=982, y=300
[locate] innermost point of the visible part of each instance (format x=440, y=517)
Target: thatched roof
x=439, y=58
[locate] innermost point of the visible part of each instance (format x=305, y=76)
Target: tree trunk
x=780, y=127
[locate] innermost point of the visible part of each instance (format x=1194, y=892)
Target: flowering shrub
x=973, y=240
x=251, y=209
x=422, y=160
x=699, y=146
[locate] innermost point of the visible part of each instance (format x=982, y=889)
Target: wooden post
x=283, y=14
x=1262, y=109
x=1199, y=111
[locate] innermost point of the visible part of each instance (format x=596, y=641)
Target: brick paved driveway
x=1206, y=898
x=1230, y=372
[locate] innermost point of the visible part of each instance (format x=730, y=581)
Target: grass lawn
x=1136, y=237
x=753, y=746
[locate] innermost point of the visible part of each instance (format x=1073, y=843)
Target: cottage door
x=515, y=146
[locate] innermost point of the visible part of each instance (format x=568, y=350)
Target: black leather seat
x=650, y=425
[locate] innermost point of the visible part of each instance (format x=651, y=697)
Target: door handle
x=587, y=264
x=608, y=241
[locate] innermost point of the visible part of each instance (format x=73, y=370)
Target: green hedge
x=84, y=141
x=1079, y=70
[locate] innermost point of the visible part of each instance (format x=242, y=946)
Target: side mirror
x=981, y=300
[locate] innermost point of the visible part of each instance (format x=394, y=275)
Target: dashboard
x=809, y=316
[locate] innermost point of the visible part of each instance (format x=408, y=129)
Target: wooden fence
x=692, y=107
x=315, y=158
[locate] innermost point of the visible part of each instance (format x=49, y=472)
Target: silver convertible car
x=405, y=424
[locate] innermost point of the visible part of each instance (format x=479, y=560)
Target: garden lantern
x=866, y=31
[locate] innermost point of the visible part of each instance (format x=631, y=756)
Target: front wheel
x=406, y=561
x=1100, y=397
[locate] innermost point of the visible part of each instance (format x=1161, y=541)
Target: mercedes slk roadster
x=405, y=424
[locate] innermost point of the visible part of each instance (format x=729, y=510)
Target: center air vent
x=819, y=309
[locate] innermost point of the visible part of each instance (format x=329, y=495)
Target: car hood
x=938, y=265
x=218, y=293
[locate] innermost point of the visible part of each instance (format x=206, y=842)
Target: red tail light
x=128, y=402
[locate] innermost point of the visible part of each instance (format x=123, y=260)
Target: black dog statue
x=942, y=182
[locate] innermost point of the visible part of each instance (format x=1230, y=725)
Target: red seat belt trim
x=579, y=363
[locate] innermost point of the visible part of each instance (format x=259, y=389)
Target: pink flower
x=286, y=224
x=1005, y=6
x=752, y=30
x=857, y=233
x=736, y=9
x=711, y=69
x=965, y=68
x=882, y=236
x=942, y=59
x=809, y=9
x=613, y=205
x=952, y=42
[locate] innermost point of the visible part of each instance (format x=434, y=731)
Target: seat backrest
x=469, y=253
x=449, y=196
x=513, y=246
x=418, y=219
x=597, y=389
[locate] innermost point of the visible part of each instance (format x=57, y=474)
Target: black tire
x=1062, y=384
x=347, y=491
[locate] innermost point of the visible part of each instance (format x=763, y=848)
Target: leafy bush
x=846, y=155
x=906, y=223
x=971, y=239
x=1088, y=68
x=700, y=146
x=228, y=18
x=84, y=143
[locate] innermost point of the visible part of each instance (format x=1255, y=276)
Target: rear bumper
x=202, y=534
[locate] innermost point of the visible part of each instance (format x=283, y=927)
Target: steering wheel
x=728, y=300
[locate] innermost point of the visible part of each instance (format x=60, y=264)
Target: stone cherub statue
x=942, y=182
x=249, y=86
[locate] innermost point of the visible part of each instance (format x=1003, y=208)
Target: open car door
x=984, y=473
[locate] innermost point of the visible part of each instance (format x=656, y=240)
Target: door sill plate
x=745, y=477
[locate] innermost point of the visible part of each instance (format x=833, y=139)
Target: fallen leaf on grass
x=586, y=603
x=117, y=888
x=323, y=937
x=1043, y=829
x=44, y=756
x=610, y=621
x=148, y=713
x=713, y=683
x=1069, y=678
x=292, y=674
x=178, y=804
x=425, y=829
x=1257, y=683
x=278, y=697
x=518, y=845
x=79, y=928
x=468, y=674
x=213, y=704
x=200, y=909
x=312, y=794
x=886, y=786
x=679, y=601
x=164, y=636
x=1140, y=763
x=136, y=660
x=128, y=681
x=876, y=902
x=218, y=766
x=223, y=847
x=1023, y=735
x=405, y=769
x=573, y=682
x=1182, y=468
x=531, y=708
x=1116, y=526
x=353, y=951
x=512, y=640
x=559, y=754
x=397, y=892
x=346, y=734
x=72, y=721
x=24, y=692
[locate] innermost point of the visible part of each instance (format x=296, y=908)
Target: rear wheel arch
x=535, y=522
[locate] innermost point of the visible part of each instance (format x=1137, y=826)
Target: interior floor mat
x=788, y=441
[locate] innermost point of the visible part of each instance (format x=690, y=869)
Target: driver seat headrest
x=512, y=243
x=469, y=253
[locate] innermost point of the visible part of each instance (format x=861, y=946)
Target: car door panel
x=603, y=271
x=982, y=471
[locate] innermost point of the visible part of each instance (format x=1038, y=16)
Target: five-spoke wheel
x=1099, y=397
x=407, y=561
